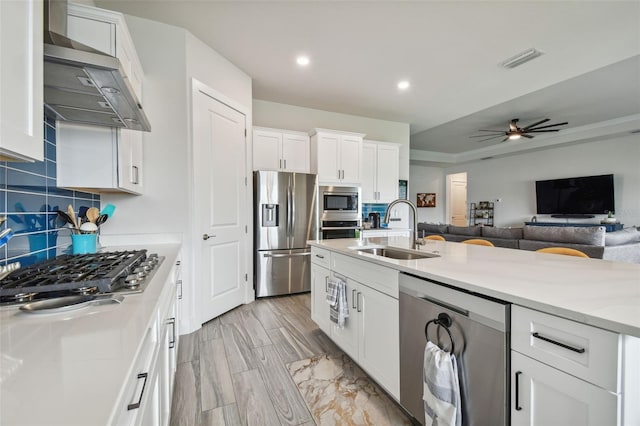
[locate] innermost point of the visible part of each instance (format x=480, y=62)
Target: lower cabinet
x=543, y=395
x=370, y=335
x=148, y=393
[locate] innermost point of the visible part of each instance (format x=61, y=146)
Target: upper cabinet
x=280, y=150
x=101, y=159
x=336, y=156
x=21, y=105
x=380, y=171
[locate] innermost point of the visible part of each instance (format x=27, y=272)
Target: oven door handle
x=308, y=253
x=340, y=228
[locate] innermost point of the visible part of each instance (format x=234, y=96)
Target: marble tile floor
x=241, y=369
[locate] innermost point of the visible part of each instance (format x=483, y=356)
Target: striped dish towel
x=441, y=389
x=337, y=300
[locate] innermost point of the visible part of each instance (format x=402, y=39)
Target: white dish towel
x=441, y=390
x=337, y=300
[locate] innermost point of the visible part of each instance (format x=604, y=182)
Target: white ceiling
x=450, y=51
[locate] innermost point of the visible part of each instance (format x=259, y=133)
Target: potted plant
x=610, y=218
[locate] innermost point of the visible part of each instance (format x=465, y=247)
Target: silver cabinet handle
x=518, y=407
x=285, y=164
x=288, y=254
x=172, y=342
x=326, y=284
x=358, y=299
x=207, y=236
x=319, y=256
x=179, y=283
x=134, y=175
x=353, y=298
x=136, y=405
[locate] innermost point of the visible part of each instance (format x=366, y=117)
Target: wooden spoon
x=93, y=214
x=72, y=216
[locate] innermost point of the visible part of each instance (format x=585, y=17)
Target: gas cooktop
x=86, y=274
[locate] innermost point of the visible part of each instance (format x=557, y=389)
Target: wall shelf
x=481, y=213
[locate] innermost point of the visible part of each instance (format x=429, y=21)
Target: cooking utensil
x=72, y=216
x=88, y=228
x=65, y=217
x=93, y=214
x=101, y=219
x=109, y=209
x=82, y=212
x=68, y=303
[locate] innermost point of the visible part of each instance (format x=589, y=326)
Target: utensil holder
x=83, y=243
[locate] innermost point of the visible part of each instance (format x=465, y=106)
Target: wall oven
x=339, y=211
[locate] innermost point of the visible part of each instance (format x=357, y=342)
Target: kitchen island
x=571, y=331
x=80, y=367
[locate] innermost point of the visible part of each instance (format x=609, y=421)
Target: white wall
x=512, y=178
x=171, y=57
x=429, y=179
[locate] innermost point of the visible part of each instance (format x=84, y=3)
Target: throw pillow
x=473, y=231
x=432, y=228
x=624, y=236
x=508, y=233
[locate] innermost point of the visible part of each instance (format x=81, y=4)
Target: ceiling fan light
x=514, y=136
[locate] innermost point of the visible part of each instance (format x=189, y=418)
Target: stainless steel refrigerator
x=285, y=218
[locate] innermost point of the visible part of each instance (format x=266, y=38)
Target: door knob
x=207, y=236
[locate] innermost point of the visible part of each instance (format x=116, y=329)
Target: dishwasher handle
x=445, y=321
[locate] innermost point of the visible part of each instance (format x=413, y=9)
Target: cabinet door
x=327, y=148
x=350, y=158
x=266, y=150
x=379, y=337
x=21, y=108
x=130, y=160
x=387, y=173
x=369, y=167
x=347, y=337
x=319, y=305
x=544, y=396
x=295, y=153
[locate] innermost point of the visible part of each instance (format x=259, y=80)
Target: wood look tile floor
x=233, y=370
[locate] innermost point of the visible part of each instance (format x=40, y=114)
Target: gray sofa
x=619, y=246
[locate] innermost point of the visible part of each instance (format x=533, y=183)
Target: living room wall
x=512, y=179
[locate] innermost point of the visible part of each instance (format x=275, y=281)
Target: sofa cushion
x=474, y=231
x=592, y=235
x=433, y=228
x=509, y=233
x=594, y=252
x=624, y=236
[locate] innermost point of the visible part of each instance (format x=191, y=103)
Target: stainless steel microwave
x=339, y=203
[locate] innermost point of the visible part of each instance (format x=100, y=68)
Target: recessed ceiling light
x=403, y=85
x=302, y=60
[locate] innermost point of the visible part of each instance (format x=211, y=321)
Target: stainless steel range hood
x=83, y=85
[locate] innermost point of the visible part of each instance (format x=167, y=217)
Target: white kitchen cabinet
x=371, y=334
x=319, y=306
x=336, y=157
x=543, y=395
x=281, y=150
x=565, y=372
x=380, y=171
x=21, y=84
x=99, y=159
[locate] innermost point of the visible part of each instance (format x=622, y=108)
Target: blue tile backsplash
x=369, y=208
x=29, y=198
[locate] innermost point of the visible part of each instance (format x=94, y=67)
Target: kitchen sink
x=394, y=253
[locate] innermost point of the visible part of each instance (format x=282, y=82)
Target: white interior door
x=458, y=203
x=221, y=208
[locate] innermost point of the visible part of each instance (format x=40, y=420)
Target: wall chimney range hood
x=84, y=85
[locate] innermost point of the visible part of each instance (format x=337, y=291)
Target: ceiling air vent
x=521, y=58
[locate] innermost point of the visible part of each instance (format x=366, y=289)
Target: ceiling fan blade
x=541, y=131
x=487, y=139
x=535, y=124
x=505, y=139
x=485, y=130
x=550, y=125
x=484, y=136
x=526, y=136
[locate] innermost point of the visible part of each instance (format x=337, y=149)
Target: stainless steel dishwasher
x=478, y=329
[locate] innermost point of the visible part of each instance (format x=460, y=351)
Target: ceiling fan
x=516, y=132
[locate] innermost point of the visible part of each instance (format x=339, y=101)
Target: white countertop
x=69, y=368
x=597, y=292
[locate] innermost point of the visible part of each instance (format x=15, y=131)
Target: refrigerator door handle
x=287, y=254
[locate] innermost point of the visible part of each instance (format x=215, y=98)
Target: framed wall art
x=426, y=199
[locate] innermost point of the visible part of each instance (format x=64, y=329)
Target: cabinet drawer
x=385, y=280
x=321, y=257
x=583, y=351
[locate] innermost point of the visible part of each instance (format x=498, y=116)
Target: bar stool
x=478, y=242
x=434, y=237
x=563, y=250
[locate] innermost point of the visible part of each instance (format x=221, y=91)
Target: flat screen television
x=586, y=195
